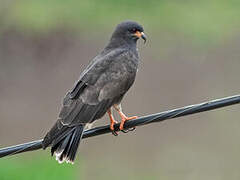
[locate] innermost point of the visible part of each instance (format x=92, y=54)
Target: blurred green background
x=192, y=55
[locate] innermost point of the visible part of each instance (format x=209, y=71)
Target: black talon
x=132, y=129
x=114, y=133
x=127, y=130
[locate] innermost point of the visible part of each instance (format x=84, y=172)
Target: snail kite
x=100, y=89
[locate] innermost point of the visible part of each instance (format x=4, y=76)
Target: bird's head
x=129, y=31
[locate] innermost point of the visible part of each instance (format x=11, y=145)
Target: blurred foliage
x=201, y=20
x=35, y=167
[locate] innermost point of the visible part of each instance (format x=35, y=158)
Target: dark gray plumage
x=101, y=85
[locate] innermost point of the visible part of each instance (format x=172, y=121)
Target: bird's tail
x=66, y=149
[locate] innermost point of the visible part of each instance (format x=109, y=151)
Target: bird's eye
x=133, y=30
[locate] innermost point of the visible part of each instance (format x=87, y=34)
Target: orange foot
x=125, y=118
x=112, y=122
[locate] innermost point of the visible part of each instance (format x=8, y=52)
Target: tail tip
x=61, y=159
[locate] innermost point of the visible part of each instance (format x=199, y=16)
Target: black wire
x=187, y=110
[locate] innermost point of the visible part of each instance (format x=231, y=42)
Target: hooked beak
x=144, y=37
x=141, y=35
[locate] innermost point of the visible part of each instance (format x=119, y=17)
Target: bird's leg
x=123, y=117
x=112, y=122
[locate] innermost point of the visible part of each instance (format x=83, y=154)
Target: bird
x=99, y=89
